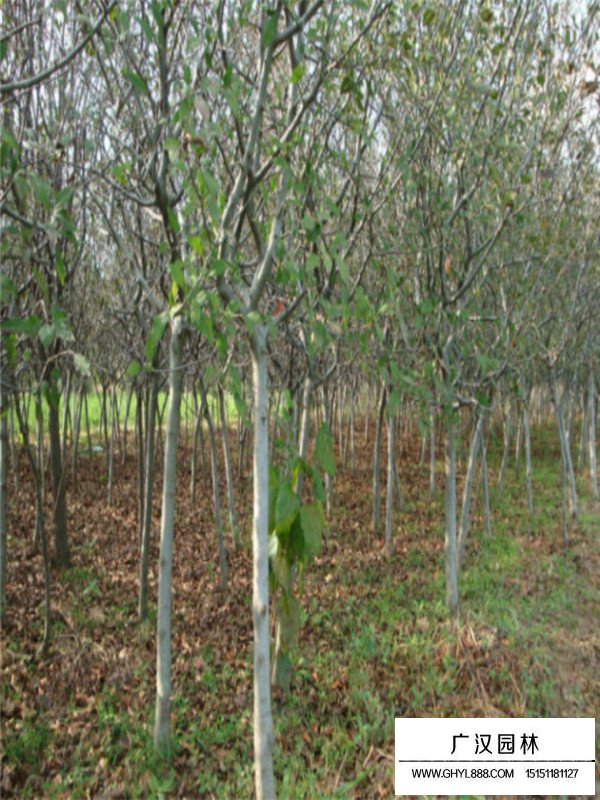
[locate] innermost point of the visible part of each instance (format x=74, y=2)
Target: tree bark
x=148, y=478
x=506, y=430
x=592, y=433
x=485, y=489
x=214, y=464
x=228, y=471
x=66, y=418
x=13, y=451
x=432, y=451
x=4, y=410
x=565, y=451
x=111, y=447
x=37, y=469
x=162, y=725
x=263, y=721
x=391, y=469
x=377, y=460
x=468, y=488
x=126, y=420
x=527, y=435
x=76, y=433
x=139, y=424
x=452, y=601
x=58, y=489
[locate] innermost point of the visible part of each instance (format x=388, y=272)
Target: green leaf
x=133, y=369
x=269, y=33
x=29, y=325
x=60, y=267
x=429, y=16
x=61, y=326
x=313, y=524
x=297, y=73
x=486, y=14
x=195, y=243
x=82, y=364
x=347, y=83
x=138, y=83
x=324, y=450
x=282, y=569
x=287, y=506
x=46, y=334
x=287, y=609
x=7, y=287
x=157, y=329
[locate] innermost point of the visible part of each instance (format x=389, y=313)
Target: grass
x=94, y=407
x=375, y=643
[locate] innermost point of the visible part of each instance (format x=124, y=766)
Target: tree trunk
x=228, y=470
x=351, y=423
x=4, y=410
x=391, y=469
x=592, y=433
x=452, y=601
x=214, y=465
x=518, y=444
x=282, y=664
x=468, y=488
x=76, y=433
x=263, y=721
x=527, y=435
x=87, y=423
x=328, y=477
x=139, y=426
x=126, y=420
x=58, y=489
x=506, y=430
x=162, y=724
x=377, y=461
x=565, y=451
x=104, y=422
x=13, y=451
x=148, y=481
x=432, y=451
x=66, y=418
x=485, y=489
x=37, y=468
x=111, y=450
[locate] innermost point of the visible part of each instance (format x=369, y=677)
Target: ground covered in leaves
x=374, y=639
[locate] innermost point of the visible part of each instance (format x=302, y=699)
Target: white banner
x=523, y=756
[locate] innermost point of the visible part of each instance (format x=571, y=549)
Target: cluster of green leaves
x=296, y=529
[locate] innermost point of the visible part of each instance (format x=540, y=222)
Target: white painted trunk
x=162, y=728
x=452, y=602
x=263, y=721
x=592, y=433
